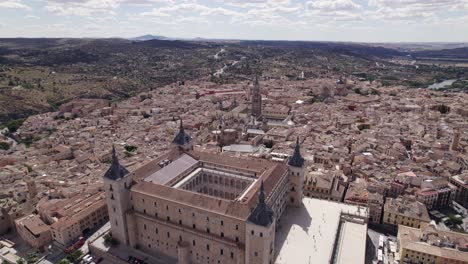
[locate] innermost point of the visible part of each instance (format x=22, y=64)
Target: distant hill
x=451, y=54
x=149, y=37
x=351, y=49
x=175, y=44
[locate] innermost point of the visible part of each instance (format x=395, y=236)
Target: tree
x=63, y=261
x=20, y=261
x=4, y=146
x=75, y=255
x=443, y=109
x=130, y=148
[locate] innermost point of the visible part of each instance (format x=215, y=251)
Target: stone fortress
x=202, y=208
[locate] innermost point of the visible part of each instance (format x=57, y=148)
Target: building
x=455, y=140
x=77, y=216
x=200, y=207
x=358, y=194
x=429, y=245
x=9, y=211
x=461, y=182
x=34, y=231
x=256, y=100
x=327, y=186
x=405, y=211
x=276, y=112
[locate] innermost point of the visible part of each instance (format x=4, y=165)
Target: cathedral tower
x=256, y=99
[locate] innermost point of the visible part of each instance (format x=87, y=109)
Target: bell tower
x=256, y=99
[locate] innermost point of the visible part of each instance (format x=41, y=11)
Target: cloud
x=31, y=17
x=13, y=4
x=333, y=5
x=413, y=10
x=82, y=7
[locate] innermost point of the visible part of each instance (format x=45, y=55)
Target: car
x=87, y=259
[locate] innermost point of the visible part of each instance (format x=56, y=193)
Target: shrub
x=75, y=255
x=109, y=240
x=130, y=148
x=4, y=146
x=443, y=109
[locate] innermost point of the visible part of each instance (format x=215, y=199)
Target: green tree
x=75, y=255
x=130, y=148
x=4, y=146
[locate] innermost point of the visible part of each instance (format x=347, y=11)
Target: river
x=437, y=86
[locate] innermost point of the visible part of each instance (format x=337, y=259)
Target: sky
x=319, y=20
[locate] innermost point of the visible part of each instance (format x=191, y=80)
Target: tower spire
x=182, y=139
x=262, y=214
x=114, y=155
x=181, y=127
x=116, y=170
x=296, y=159
x=261, y=194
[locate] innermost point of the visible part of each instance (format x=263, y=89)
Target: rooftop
x=308, y=234
x=34, y=224
x=172, y=170
x=407, y=207
x=435, y=242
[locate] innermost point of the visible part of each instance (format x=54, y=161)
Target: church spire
x=116, y=170
x=296, y=159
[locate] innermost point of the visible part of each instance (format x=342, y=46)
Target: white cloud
x=82, y=7
x=413, y=9
x=333, y=5
x=13, y=4
x=31, y=17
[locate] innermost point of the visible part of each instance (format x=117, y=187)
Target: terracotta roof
x=34, y=224
x=197, y=200
x=412, y=239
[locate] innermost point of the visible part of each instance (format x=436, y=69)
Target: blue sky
x=334, y=20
